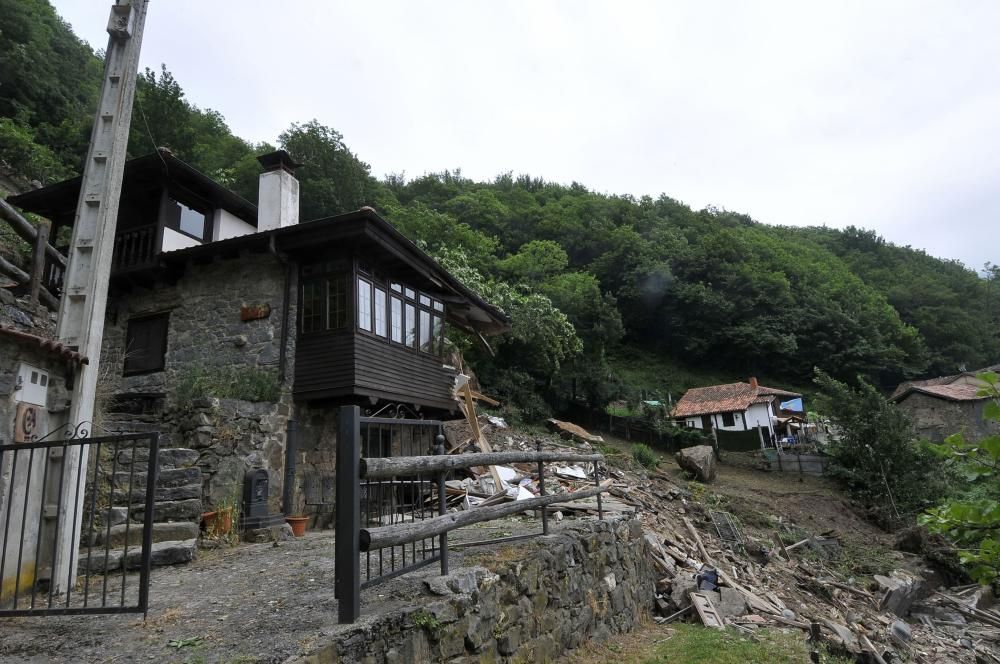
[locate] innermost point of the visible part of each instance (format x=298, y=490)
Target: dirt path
x=255, y=603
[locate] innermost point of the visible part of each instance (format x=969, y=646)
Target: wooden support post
x=484, y=445
x=28, y=233
x=697, y=538
x=38, y=261
x=22, y=277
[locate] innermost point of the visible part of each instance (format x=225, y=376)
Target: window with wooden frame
x=323, y=305
x=398, y=313
x=728, y=420
x=146, y=344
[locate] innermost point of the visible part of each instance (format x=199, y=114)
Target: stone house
x=212, y=295
x=945, y=405
x=34, y=370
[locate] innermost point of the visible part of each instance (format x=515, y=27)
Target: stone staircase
x=177, y=509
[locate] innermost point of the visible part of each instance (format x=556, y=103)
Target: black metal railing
x=77, y=525
x=388, y=501
x=392, y=505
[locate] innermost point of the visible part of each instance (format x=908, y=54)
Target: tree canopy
x=585, y=275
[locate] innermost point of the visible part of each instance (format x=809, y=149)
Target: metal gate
x=76, y=517
x=383, y=502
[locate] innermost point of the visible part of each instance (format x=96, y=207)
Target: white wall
x=226, y=225
x=172, y=240
x=759, y=414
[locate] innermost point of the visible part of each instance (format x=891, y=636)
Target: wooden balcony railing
x=136, y=247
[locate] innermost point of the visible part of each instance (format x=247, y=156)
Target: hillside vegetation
x=592, y=280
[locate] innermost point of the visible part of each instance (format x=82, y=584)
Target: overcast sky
x=884, y=115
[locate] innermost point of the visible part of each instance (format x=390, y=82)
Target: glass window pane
x=187, y=219
x=312, y=306
x=380, y=322
x=411, y=326
x=337, y=303
x=438, y=306
x=425, y=331
x=438, y=335
x=424, y=300
x=364, y=305
x=411, y=294
x=396, y=319
x=396, y=287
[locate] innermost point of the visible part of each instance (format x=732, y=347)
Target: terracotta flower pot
x=298, y=524
x=219, y=522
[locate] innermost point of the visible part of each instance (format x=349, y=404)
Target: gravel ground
x=253, y=603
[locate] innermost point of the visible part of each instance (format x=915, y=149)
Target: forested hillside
x=594, y=282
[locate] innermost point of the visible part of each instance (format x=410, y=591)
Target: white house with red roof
x=732, y=407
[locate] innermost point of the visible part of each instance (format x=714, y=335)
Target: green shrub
x=242, y=382
x=644, y=455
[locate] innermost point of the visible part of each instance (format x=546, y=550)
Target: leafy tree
x=972, y=520
x=332, y=179
x=875, y=454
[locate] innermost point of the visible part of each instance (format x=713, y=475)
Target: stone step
x=174, y=457
x=171, y=510
x=163, y=553
x=162, y=532
x=171, y=484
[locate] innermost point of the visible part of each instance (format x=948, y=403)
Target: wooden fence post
x=38, y=261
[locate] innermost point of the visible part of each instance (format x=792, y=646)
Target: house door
x=706, y=422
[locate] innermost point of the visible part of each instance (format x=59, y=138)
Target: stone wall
x=589, y=580
x=205, y=329
x=936, y=419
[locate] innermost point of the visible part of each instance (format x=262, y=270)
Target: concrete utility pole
x=88, y=269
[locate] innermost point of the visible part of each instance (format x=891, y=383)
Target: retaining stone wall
x=587, y=581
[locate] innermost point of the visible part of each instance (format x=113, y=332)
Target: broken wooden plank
x=697, y=538
x=706, y=611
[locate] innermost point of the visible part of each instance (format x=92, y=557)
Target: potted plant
x=298, y=524
x=219, y=523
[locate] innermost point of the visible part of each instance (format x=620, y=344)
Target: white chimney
x=278, y=194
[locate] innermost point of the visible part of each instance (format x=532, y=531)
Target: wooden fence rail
x=383, y=467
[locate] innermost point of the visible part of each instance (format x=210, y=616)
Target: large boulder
x=699, y=461
x=570, y=431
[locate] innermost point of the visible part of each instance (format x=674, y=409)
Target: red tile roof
x=950, y=392
x=725, y=398
x=53, y=347
x=904, y=388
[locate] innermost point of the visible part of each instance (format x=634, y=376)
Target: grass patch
x=684, y=643
x=232, y=382
x=694, y=644
x=644, y=456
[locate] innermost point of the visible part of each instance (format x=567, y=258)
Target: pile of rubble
x=712, y=572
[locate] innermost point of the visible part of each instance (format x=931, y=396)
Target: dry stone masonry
x=588, y=581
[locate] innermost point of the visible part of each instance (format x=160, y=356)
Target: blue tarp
x=794, y=405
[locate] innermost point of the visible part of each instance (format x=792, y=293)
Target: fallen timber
x=404, y=533
x=380, y=468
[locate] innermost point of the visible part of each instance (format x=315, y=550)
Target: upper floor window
x=186, y=219
x=399, y=313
